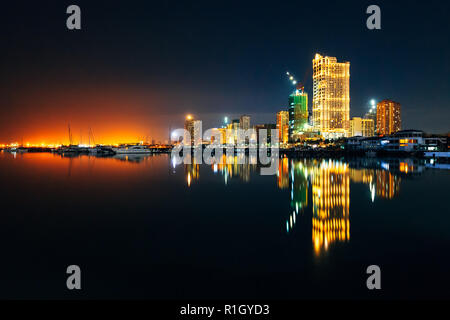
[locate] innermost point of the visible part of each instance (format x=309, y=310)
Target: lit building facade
x=361, y=127
x=372, y=114
x=388, y=117
x=283, y=126
x=331, y=97
x=298, y=113
x=244, y=122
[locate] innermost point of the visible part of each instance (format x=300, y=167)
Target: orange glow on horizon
x=114, y=113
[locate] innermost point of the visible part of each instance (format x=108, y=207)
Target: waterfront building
x=244, y=122
x=361, y=127
x=235, y=125
x=298, y=113
x=414, y=140
x=388, y=117
x=223, y=135
x=193, y=131
x=283, y=126
x=268, y=127
x=331, y=97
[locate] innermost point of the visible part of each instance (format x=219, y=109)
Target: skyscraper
x=298, y=113
x=193, y=131
x=331, y=96
x=244, y=122
x=283, y=126
x=235, y=124
x=388, y=117
x=372, y=114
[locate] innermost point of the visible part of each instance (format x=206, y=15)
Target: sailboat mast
x=70, y=136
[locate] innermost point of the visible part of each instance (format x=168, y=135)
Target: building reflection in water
x=238, y=165
x=192, y=170
x=330, y=182
x=327, y=182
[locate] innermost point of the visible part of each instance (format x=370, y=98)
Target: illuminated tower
x=361, y=127
x=244, y=122
x=372, y=114
x=298, y=113
x=388, y=117
x=283, y=126
x=331, y=96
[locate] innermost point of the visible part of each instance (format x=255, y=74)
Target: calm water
x=143, y=228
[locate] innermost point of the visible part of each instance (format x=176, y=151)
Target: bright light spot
x=372, y=102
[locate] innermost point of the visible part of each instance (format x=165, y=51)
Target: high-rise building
x=361, y=127
x=244, y=122
x=388, y=117
x=268, y=127
x=372, y=113
x=298, y=113
x=283, y=126
x=193, y=131
x=331, y=96
x=223, y=135
x=235, y=124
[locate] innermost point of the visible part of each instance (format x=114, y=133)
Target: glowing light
x=189, y=117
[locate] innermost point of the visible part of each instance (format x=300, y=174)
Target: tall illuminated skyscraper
x=388, y=117
x=331, y=96
x=283, y=126
x=298, y=113
x=193, y=131
x=372, y=113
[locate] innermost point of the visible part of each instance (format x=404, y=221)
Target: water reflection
x=321, y=187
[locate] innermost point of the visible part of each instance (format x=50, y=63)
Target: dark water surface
x=143, y=228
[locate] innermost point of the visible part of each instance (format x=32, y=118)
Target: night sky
x=138, y=67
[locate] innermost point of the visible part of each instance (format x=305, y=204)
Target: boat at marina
x=132, y=149
x=72, y=149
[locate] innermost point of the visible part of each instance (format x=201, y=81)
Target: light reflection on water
x=328, y=183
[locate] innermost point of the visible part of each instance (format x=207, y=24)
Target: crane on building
x=297, y=85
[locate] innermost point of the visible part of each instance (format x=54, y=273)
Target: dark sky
x=143, y=65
